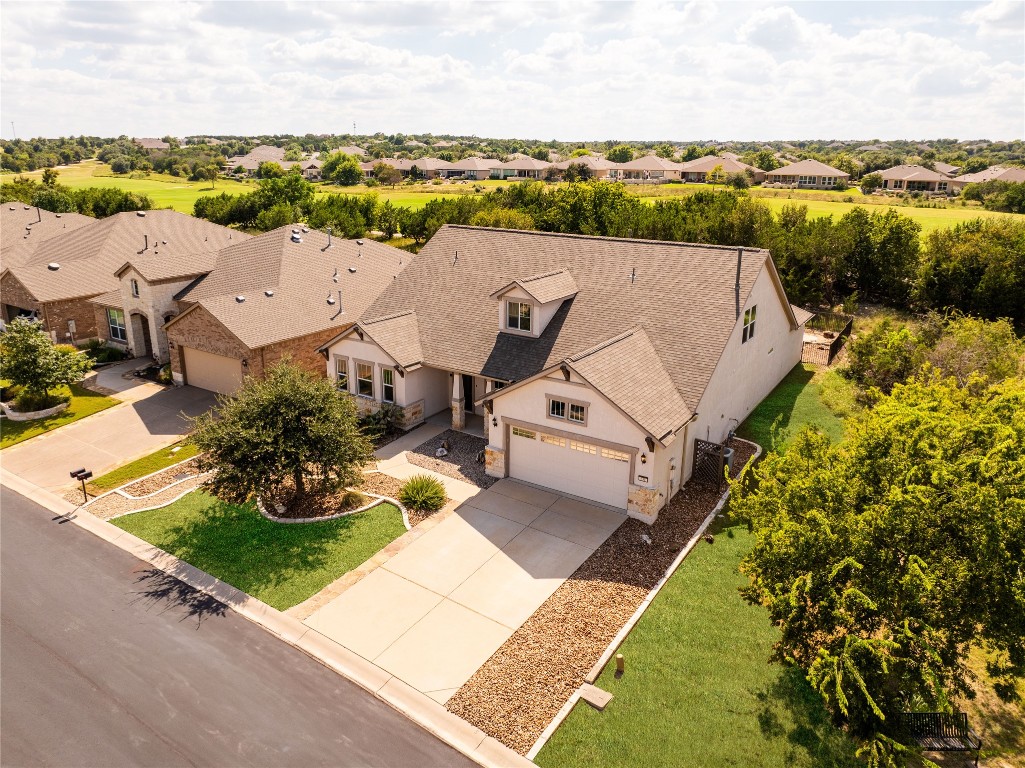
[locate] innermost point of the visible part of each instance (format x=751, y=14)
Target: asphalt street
x=105, y=661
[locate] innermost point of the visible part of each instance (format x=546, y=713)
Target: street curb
x=627, y=628
x=418, y=707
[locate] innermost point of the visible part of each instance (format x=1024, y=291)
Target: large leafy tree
x=288, y=427
x=885, y=558
x=29, y=359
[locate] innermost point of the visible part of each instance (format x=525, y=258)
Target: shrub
x=423, y=492
x=26, y=401
x=385, y=420
x=28, y=358
x=101, y=353
x=372, y=182
x=437, y=182
x=164, y=377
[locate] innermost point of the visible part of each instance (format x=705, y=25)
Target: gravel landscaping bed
x=114, y=504
x=386, y=485
x=521, y=688
x=461, y=461
x=311, y=505
x=158, y=481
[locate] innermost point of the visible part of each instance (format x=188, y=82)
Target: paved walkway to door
x=436, y=611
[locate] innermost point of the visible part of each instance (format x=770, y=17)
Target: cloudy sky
x=574, y=70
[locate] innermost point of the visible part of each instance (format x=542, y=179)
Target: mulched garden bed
x=461, y=461
x=160, y=480
x=521, y=688
x=386, y=485
x=310, y=505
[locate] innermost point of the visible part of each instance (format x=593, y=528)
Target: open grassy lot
x=699, y=689
x=165, y=191
x=282, y=565
x=84, y=402
x=147, y=465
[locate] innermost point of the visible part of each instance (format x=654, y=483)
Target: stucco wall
x=747, y=372
x=433, y=386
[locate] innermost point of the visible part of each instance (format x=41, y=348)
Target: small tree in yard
x=29, y=359
x=289, y=427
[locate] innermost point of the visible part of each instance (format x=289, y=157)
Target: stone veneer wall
x=643, y=503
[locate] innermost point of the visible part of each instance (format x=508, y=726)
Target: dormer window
x=519, y=316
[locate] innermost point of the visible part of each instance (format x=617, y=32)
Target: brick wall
x=82, y=311
x=302, y=351
x=201, y=330
x=16, y=295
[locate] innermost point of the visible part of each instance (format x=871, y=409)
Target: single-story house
x=352, y=150
x=521, y=168
x=946, y=168
x=281, y=294
x=914, y=178
x=150, y=144
x=806, y=174
x=600, y=167
x=994, y=173
x=63, y=273
x=267, y=153
x=592, y=364
x=648, y=168
x=474, y=168
x=697, y=170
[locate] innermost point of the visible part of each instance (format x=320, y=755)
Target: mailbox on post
x=83, y=475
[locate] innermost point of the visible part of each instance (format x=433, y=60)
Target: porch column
x=458, y=402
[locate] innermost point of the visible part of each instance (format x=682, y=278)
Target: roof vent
x=359, y=242
x=295, y=231
x=163, y=242
x=330, y=299
x=296, y=237
x=305, y=230
x=140, y=214
x=352, y=270
x=268, y=293
x=53, y=266
x=57, y=215
x=240, y=299
x=335, y=275
x=13, y=208
x=28, y=207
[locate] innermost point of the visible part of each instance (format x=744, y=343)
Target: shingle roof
x=682, y=295
x=912, y=173
x=152, y=143
x=525, y=164
x=651, y=163
x=89, y=257
x=398, y=335
x=108, y=299
x=996, y=172
x=301, y=276
x=708, y=162
x=548, y=286
x=591, y=161
x=806, y=168
x=801, y=315
x=24, y=227
x=628, y=371
x=477, y=164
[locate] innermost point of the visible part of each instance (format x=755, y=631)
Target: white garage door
x=214, y=372
x=575, y=467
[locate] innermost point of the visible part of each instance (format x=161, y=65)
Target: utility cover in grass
x=280, y=564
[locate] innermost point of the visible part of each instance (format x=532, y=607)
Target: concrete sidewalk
x=392, y=460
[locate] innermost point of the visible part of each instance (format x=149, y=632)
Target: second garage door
x=575, y=467
x=213, y=372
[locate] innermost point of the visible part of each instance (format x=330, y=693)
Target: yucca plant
x=423, y=492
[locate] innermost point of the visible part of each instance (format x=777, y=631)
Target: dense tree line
x=90, y=201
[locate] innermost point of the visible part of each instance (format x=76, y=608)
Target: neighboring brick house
x=592, y=364
x=24, y=227
x=994, y=173
x=648, y=168
x=62, y=274
x=281, y=294
x=806, y=174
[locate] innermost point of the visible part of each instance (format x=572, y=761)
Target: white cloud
x=566, y=70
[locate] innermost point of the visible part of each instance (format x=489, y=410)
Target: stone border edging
x=119, y=492
x=14, y=415
x=120, y=489
x=627, y=628
x=417, y=707
x=167, y=503
x=378, y=500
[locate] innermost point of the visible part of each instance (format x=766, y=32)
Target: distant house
x=281, y=294
x=264, y=153
x=946, y=168
x=806, y=174
x=648, y=168
x=474, y=168
x=914, y=178
x=522, y=168
x=996, y=173
x=600, y=167
x=23, y=227
x=149, y=144
x=698, y=170
x=353, y=150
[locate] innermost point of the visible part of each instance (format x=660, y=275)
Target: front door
x=468, y=393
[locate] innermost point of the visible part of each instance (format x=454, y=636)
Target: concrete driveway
x=436, y=611
x=149, y=421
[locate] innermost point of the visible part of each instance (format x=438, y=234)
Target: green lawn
x=282, y=565
x=699, y=689
x=84, y=402
x=141, y=467
x=796, y=401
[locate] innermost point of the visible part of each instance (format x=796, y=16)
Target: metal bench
x=941, y=732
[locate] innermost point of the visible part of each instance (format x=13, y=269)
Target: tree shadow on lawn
x=790, y=709
x=238, y=545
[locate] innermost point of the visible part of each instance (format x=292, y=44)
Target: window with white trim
x=749, y=324
x=135, y=287
x=116, y=324
x=553, y=440
x=387, y=385
x=523, y=433
x=342, y=373
x=364, y=380
x=518, y=316
x=577, y=413
x=557, y=409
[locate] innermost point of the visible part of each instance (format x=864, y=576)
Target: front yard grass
x=84, y=402
x=282, y=565
x=147, y=465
